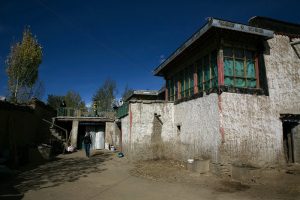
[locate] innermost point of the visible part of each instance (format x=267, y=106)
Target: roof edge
x=218, y=23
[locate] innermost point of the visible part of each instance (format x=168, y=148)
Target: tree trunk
x=16, y=91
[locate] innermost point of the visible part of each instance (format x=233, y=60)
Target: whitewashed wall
x=200, y=128
x=137, y=138
x=253, y=130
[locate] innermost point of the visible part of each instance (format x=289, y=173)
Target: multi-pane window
x=187, y=81
x=207, y=71
x=170, y=86
x=172, y=89
x=239, y=71
x=239, y=68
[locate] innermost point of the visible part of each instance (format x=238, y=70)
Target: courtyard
x=105, y=176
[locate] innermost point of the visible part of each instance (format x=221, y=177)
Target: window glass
x=239, y=68
x=191, y=80
x=240, y=82
x=182, y=83
x=176, y=87
x=200, y=76
x=250, y=69
x=228, y=66
x=206, y=73
x=214, y=69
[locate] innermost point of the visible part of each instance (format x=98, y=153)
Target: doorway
x=96, y=131
x=291, y=137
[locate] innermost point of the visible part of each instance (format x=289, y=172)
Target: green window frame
x=200, y=74
x=239, y=68
x=191, y=80
x=207, y=70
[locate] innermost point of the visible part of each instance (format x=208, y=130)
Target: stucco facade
x=140, y=134
x=248, y=125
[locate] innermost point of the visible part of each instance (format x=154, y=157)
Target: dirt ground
x=105, y=176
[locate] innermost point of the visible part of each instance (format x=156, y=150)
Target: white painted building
x=232, y=95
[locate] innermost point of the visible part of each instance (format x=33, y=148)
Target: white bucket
x=112, y=148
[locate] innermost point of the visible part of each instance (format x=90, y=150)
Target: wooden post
x=179, y=89
x=166, y=91
x=196, y=89
x=257, y=70
x=220, y=62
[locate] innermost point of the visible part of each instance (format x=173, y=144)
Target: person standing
x=87, y=144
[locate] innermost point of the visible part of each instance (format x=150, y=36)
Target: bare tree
x=127, y=91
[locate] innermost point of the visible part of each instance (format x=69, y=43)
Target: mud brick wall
x=199, y=128
x=141, y=138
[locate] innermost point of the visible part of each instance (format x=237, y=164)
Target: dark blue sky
x=86, y=41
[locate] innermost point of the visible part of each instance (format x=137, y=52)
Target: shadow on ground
x=60, y=171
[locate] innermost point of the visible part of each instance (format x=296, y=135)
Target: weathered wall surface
x=125, y=131
x=117, y=137
x=200, y=127
x=139, y=134
x=74, y=133
x=253, y=130
x=283, y=74
x=109, y=132
x=229, y=129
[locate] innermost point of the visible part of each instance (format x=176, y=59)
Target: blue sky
x=85, y=42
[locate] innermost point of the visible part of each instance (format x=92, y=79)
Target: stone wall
x=139, y=133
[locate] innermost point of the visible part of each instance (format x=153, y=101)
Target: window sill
x=223, y=88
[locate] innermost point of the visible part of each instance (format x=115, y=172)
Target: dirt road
x=104, y=176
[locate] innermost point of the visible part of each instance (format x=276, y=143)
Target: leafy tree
x=37, y=91
x=73, y=100
x=55, y=101
x=22, y=66
x=127, y=91
x=105, y=95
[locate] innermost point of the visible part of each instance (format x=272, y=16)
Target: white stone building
x=232, y=95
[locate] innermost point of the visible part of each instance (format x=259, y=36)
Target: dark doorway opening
x=291, y=144
x=87, y=127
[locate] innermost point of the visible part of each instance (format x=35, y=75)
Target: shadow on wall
x=58, y=172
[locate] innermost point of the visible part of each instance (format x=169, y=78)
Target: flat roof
x=217, y=23
x=278, y=26
x=85, y=119
x=142, y=92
